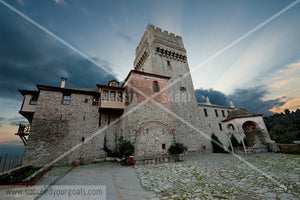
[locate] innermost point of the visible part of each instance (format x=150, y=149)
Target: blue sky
x=260, y=72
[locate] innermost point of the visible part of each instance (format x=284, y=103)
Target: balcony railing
x=23, y=132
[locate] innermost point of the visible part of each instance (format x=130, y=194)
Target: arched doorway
x=252, y=132
x=153, y=139
x=230, y=128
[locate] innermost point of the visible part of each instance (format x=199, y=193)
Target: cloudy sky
x=244, y=50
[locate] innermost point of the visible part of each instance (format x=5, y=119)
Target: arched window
x=155, y=86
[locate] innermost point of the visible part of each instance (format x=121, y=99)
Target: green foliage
x=217, y=144
x=109, y=153
x=287, y=111
x=125, y=148
x=234, y=141
x=176, y=149
x=284, y=128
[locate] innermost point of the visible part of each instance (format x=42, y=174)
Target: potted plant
x=126, y=149
x=176, y=149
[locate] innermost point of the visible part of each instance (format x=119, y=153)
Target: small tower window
x=220, y=126
x=223, y=113
x=105, y=95
x=168, y=63
x=155, y=86
x=205, y=112
x=95, y=101
x=216, y=111
x=120, y=96
x=33, y=100
x=66, y=99
x=112, y=95
x=163, y=146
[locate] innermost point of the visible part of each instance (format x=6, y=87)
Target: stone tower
x=163, y=53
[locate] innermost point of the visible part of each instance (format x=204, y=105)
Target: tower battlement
x=157, y=33
x=158, y=41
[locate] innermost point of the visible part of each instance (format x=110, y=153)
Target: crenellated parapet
x=160, y=42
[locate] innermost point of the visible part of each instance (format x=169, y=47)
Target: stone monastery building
x=154, y=107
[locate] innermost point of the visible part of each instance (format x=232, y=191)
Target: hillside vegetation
x=284, y=127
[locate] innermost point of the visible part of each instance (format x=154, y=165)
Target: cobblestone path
x=223, y=176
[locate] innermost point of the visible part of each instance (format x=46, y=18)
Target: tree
x=287, y=111
x=217, y=145
x=176, y=149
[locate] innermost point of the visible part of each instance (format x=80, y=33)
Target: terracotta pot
x=79, y=161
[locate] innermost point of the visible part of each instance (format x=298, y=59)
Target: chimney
x=63, y=82
x=207, y=100
x=231, y=103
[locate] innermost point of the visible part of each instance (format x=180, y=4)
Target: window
x=114, y=84
x=66, y=99
x=216, y=111
x=228, y=111
x=220, y=126
x=155, y=86
x=232, y=127
x=120, y=96
x=163, y=146
x=168, y=63
x=33, y=101
x=112, y=96
x=205, y=112
x=105, y=95
x=95, y=101
x=182, y=89
x=223, y=113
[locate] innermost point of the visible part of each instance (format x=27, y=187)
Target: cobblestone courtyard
x=223, y=176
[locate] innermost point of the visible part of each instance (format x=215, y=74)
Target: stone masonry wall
x=210, y=123
x=166, y=56
x=56, y=128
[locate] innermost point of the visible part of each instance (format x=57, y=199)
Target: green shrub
x=217, y=145
x=234, y=141
x=122, y=148
x=125, y=148
x=176, y=149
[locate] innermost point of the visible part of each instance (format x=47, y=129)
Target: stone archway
x=153, y=139
x=252, y=132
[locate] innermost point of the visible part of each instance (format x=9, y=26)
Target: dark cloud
x=2, y=118
x=28, y=57
x=250, y=99
x=215, y=97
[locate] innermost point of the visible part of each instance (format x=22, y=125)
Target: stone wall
x=56, y=128
x=210, y=123
x=289, y=148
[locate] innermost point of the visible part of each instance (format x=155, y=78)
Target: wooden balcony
x=111, y=106
x=29, y=104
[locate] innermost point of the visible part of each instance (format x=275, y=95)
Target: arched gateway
x=153, y=138
x=253, y=133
